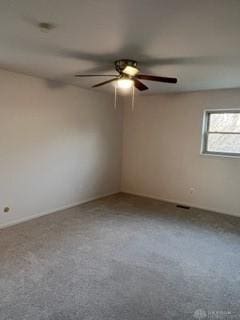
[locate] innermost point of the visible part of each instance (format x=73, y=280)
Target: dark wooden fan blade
x=103, y=83
x=156, y=78
x=94, y=75
x=139, y=85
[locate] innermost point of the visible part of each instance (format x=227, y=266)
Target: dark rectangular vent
x=182, y=207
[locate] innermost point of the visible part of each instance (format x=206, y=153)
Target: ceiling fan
x=128, y=76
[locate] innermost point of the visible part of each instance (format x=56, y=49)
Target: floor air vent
x=182, y=207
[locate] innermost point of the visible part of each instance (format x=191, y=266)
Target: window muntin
x=221, y=135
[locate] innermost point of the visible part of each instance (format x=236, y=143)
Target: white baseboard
x=24, y=219
x=12, y=223
x=178, y=202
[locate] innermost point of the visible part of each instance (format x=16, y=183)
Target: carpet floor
x=121, y=258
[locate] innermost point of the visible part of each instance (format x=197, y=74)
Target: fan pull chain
x=115, y=97
x=133, y=98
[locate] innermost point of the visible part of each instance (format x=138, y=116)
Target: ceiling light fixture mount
x=123, y=64
x=46, y=26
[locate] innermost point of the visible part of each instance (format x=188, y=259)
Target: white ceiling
x=194, y=40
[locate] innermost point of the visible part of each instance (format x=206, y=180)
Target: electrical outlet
x=6, y=209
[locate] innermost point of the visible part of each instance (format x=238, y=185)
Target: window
x=221, y=132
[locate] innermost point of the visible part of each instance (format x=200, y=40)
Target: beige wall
x=63, y=146
x=58, y=146
x=161, y=152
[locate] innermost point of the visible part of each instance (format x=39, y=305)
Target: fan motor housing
x=120, y=65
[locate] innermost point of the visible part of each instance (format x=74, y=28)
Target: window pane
x=229, y=143
x=224, y=122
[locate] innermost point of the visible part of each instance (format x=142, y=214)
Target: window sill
x=220, y=155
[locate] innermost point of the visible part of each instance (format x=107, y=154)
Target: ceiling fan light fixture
x=124, y=84
x=128, y=76
x=131, y=71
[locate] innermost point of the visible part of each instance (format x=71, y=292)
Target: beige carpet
x=119, y=258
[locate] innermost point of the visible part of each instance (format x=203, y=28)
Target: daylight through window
x=221, y=133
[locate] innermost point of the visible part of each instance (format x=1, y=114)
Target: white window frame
x=205, y=132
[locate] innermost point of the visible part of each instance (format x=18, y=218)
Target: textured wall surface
x=161, y=151
x=58, y=146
